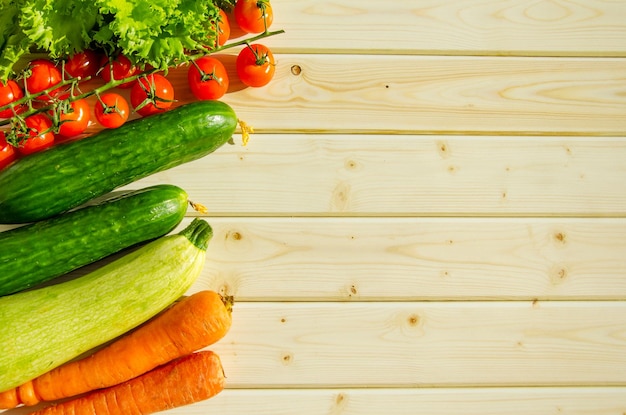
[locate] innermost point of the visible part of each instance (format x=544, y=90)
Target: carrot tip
x=228, y=301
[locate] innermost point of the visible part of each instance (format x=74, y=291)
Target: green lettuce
x=158, y=33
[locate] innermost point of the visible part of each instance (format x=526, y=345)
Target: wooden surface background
x=431, y=215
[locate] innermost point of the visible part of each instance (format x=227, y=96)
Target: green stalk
x=199, y=233
x=27, y=99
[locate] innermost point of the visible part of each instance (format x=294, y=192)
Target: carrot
x=183, y=381
x=191, y=324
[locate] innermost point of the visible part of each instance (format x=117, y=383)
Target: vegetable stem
x=199, y=233
x=28, y=98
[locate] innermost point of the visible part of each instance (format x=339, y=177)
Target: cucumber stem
x=199, y=233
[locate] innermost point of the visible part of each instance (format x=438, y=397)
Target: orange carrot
x=191, y=324
x=186, y=380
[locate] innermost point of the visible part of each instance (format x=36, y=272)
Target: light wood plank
x=429, y=94
x=340, y=175
x=404, y=259
x=370, y=259
x=399, y=401
x=418, y=94
x=413, y=344
x=511, y=27
x=499, y=401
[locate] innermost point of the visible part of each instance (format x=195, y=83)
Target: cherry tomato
x=7, y=152
x=253, y=16
x=151, y=94
x=10, y=92
x=75, y=120
x=83, y=64
x=111, y=110
x=223, y=28
x=41, y=75
x=122, y=68
x=40, y=135
x=207, y=78
x=255, y=65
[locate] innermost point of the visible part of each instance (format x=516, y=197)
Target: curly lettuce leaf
x=13, y=43
x=59, y=27
x=157, y=32
x=15, y=47
x=8, y=16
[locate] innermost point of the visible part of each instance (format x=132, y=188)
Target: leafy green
x=158, y=33
x=61, y=27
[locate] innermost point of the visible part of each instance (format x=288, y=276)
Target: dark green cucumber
x=43, y=250
x=67, y=175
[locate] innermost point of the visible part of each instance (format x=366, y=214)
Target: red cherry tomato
x=7, y=152
x=122, y=68
x=41, y=75
x=255, y=65
x=10, y=92
x=223, y=28
x=151, y=94
x=207, y=78
x=83, y=64
x=40, y=135
x=111, y=110
x=253, y=16
x=75, y=121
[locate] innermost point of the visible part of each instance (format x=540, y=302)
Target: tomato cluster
x=255, y=64
x=57, y=109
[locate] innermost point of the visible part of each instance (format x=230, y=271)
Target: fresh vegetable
x=193, y=323
x=151, y=94
x=118, y=69
x=41, y=75
x=121, y=41
x=253, y=16
x=223, y=28
x=207, y=78
x=73, y=118
x=83, y=64
x=158, y=34
x=255, y=65
x=10, y=92
x=66, y=176
x=39, y=135
x=46, y=327
x=47, y=249
x=111, y=110
x=8, y=154
x=189, y=379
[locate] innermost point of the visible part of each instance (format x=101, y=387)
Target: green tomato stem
x=28, y=98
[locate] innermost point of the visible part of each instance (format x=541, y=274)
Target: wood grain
x=425, y=344
x=406, y=175
x=421, y=94
x=468, y=27
x=428, y=94
x=408, y=401
x=424, y=259
x=491, y=401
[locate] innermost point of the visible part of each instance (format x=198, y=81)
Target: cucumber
x=46, y=327
x=67, y=175
x=44, y=250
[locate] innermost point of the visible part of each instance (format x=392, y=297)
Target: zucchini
x=67, y=175
x=44, y=250
x=46, y=327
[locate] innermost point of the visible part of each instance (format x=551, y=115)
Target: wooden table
x=431, y=215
